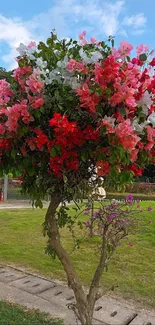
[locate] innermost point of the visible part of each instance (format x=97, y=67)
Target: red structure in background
x=1, y=195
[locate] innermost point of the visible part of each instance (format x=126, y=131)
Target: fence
x=10, y=189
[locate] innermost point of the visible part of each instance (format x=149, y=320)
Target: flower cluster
x=68, y=139
x=72, y=106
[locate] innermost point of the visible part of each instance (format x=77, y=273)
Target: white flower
x=83, y=56
x=110, y=120
x=74, y=83
x=63, y=63
x=151, y=119
x=94, y=57
x=48, y=81
x=145, y=102
x=53, y=75
x=40, y=63
x=42, y=73
x=31, y=56
x=138, y=127
x=31, y=49
x=21, y=49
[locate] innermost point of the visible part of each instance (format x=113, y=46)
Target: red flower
x=103, y=167
x=152, y=63
x=136, y=170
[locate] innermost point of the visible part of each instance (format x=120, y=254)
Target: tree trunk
x=82, y=307
x=94, y=287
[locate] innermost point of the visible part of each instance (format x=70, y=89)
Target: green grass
x=14, y=315
x=133, y=269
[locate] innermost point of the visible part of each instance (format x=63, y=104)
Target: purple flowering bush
x=112, y=221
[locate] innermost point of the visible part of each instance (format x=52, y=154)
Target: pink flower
x=93, y=40
x=82, y=35
x=80, y=67
x=83, y=41
x=37, y=102
x=129, y=197
x=34, y=84
x=2, y=129
x=31, y=44
x=150, y=137
x=149, y=145
x=133, y=155
x=140, y=49
x=23, y=151
x=125, y=48
x=15, y=112
x=125, y=133
x=150, y=209
x=71, y=65
x=109, y=127
x=75, y=65
x=31, y=144
x=131, y=244
x=5, y=92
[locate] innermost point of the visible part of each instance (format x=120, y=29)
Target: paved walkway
x=32, y=291
x=19, y=204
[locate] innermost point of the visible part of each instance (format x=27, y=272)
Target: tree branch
x=98, y=273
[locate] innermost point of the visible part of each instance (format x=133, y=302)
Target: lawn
x=132, y=269
x=14, y=315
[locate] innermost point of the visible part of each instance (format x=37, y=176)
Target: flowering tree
x=72, y=114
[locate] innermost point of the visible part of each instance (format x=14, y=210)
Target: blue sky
x=22, y=21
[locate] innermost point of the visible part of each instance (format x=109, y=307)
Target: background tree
x=5, y=75
x=149, y=173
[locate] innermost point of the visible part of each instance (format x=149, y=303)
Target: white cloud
x=99, y=18
x=136, y=21
x=12, y=32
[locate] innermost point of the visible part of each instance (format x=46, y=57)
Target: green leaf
x=38, y=203
x=24, y=130
x=56, y=93
x=112, y=42
x=122, y=111
x=13, y=154
x=53, y=152
x=65, y=179
x=58, y=46
x=143, y=57
x=31, y=171
x=57, y=148
x=49, y=42
x=108, y=91
x=83, y=157
x=102, y=131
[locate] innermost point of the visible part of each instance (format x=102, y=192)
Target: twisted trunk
x=82, y=307
x=94, y=287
